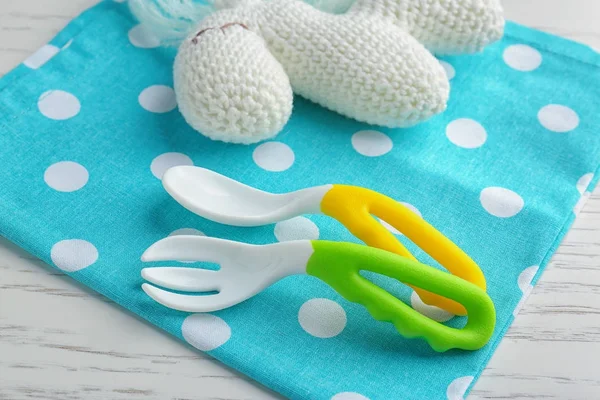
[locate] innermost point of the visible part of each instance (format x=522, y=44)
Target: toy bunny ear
x=170, y=20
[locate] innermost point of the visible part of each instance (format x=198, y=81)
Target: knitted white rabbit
x=235, y=73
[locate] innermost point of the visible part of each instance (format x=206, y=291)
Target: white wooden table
x=59, y=340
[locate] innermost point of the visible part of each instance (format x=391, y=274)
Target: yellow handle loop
x=354, y=206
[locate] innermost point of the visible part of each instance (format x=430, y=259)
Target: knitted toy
x=370, y=60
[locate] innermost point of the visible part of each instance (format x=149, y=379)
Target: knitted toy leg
x=366, y=69
x=443, y=26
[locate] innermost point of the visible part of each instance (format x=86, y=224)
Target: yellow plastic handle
x=354, y=207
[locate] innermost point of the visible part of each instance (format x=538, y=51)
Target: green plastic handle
x=338, y=264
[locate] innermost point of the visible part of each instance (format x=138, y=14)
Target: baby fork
x=246, y=270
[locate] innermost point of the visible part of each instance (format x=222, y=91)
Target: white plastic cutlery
x=248, y=269
x=227, y=201
x=244, y=270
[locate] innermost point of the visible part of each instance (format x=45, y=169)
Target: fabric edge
x=70, y=31
x=553, y=43
x=566, y=227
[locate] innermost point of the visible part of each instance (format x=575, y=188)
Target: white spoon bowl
x=227, y=201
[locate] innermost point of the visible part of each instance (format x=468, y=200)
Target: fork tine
x=190, y=248
x=186, y=303
x=183, y=279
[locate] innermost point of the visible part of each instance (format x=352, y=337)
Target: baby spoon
x=224, y=200
x=246, y=270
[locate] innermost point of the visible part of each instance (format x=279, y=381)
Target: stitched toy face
x=229, y=87
x=234, y=74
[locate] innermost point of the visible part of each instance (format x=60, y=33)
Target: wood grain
x=59, y=340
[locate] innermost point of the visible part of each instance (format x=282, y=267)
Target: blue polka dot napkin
x=89, y=125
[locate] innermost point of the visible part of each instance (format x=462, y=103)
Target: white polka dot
x=389, y=227
x=73, y=254
x=526, y=277
x=67, y=45
x=139, y=36
x=187, y=231
x=524, y=282
x=412, y=208
x=66, y=176
x=584, y=182
x=450, y=71
x=394, y=230
x=41, y=57
x=557, y=118
x=273, y=156
x=522, y=57
x=371, y=143
x=205, y=332
x=435, y=313
x=298, y=228
x=349, y=396
x=458, y=388
x=158, y=99
x=322, y=318
x=501, y=202
x=162, y=163
x=466, y=133
x=581, y=203
x=58, y=105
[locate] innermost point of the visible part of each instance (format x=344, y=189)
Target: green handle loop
x=338, y=264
